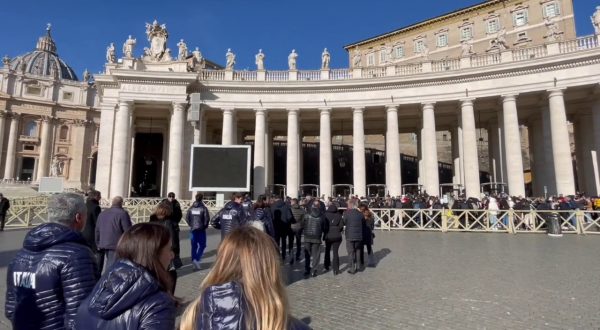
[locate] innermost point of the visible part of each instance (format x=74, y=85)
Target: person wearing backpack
x=316, y=227
x=282, y=217
x=298, y=214
x=198, y=219
x=262, y=216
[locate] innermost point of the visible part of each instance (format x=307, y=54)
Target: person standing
x=112, y=223
x=353, y=220
x=262, y=213
x=333, y=240
x=4, y=206
x=56, y=270
x=198, y=219
x=89, y=231
x=134, y=293
x=282, y=218
x=175, y=218
x=368, y=227
x=315, y=230
x=231, y=216
x=297, y=222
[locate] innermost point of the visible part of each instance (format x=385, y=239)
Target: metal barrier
x=28, y=212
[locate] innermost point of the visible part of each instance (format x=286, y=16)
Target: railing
x=340, y=74
x=309, y=75
x=529, y=53
x=27, y=138
x=485, y=60
x=408, y=69
x=374, y=72
x=244, y=75
x=582, y=43
x=213, y=74
x=277, y=75
x=445, y=65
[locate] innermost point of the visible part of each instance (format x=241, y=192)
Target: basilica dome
x=43, y=61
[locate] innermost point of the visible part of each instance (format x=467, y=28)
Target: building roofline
x=483, y=4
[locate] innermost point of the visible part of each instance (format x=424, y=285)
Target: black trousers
x=362, y=252
x=2, y=221
x=281, y=237
x=332, y=247
x=173, y=274
x=311, y=250
x=298, y=237
x=354, y=248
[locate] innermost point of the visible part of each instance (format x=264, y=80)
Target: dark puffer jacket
x=334, y=219
x=48, y=278
x=197, y=216
x=223, y=308
x=316, y=225
x=230, y=217
x=353, y=220
x=127, y=297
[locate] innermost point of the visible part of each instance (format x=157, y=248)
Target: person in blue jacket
x=54, y=272
x=231, y=216
x=244, y=289
x=135, y=292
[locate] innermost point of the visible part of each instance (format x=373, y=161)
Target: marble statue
x=596, y=20
x=6, y=61
x=128, y=47
x=553, y=32
x=86, y=76
x=467, y=48
x=157, y=36
x=292, y=59
x=389, y=54
x=356, y=58
x=197, y=55
x=57, y=167
x=230, y=57
x=325, y=59
x=425, y=50
x=110, y=53
x=183, y=50
x=260, y=60
x=167, y=56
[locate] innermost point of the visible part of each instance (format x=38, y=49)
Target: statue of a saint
x=356, y=58
x=466, y=48
x=553, y=32
x=260, y=60
x=596, y=20
x=183, y=50
x=111, y=57
x=157, y=36
x=167, y=57
x=292, y=59
x=57, y=166
x=230, y=58
x=425, y=50
x=325, y=59
x=128, y=47
x=389, y=54
x=86, y=76
x=6, y=61
x=501, y=39
x=197, y=55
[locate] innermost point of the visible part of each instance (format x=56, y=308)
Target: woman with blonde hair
x=244, y=289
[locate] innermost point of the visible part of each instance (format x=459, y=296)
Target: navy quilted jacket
x=230, y=217
x=48, y=278
x=127, y=297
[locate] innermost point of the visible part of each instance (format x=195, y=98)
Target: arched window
x=30, y=129
x=64, y=133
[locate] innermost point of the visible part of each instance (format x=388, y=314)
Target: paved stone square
x=433, y=281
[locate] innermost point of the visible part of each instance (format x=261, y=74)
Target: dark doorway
x=93, y=168
x=147, y=162
x=27, y=166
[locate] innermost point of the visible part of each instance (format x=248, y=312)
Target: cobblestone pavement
x=432, y=281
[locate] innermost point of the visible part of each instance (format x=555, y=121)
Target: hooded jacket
x=127, y=297
x=353, y=220
x=197, y=216
x=282, y=215
x=334, y=219
x=316, y=225
x=230, y=217
x=223, y=308
x=48, y=278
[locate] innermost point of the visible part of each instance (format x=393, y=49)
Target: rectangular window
x=551, y=10
x=67, y=96
x=466, y=33
x=442, y=40
x=522, y=36
x=33, y=90
x=399, y=52
x=371, y=59
x=419, y=46
x=520, y=18
x=27, y=147
x=493, y=26
x=382, y=56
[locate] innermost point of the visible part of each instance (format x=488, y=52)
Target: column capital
x=467, y=102
x=325, y=110
x=229, y=110
x=509, y=97
x=178, y=105
x=14, y=115
x=358, y=109
x=125, y=103
x=555, y=92
x=293, y=110
x=3, y=113
x=260, y=110
x=391, y=107
x=427, y=105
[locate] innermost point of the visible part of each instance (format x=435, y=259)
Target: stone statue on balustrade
x=553, y=32
x=6, y=61
x=467, y=48
x=128, y=47
x=157, y=36
x=230, y=58
x=425, y=50
x=292, y=59
x=389, y=54
x=499, y=42
x=325, y=59
x=86, y=76
x=183, y=50
x=356, y=58
x=260, y=60
x=57, y=167
x=167, y=56
x=198, y=57
x=596, y=20
x=111, y=57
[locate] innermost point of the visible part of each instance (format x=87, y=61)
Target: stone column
x=227, y=136
x=536, y=145
x=512, y=145
x=561, y=149
x=120, y=161
x=596, y=144
x=292, y=154
x=550, y=177
x=176, y=135
x=45, y=147
x=105, y=140
x=358, y=154
x=393, y=176
x=325, y=154
x=584, y=147
x=470, y=157
x=3, y=115
x=457, y=177
x=494, y=148
x=13, y=136
x=259, y=153
x=431, y=178
x=270, y=173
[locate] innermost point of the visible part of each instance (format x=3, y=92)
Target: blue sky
x=82, y=29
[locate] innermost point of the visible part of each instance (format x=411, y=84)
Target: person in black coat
x=89, y=231
x=282, y=220
x=353, y=220
x=231, y=216
x=176, y=217
x=162, y=215
x=47, y=279
x=4, y=206
x=333, y=239
x=368, y=227
x=316, y=227
x=134, y=293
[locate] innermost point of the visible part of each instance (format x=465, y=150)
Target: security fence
x=28, y=212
